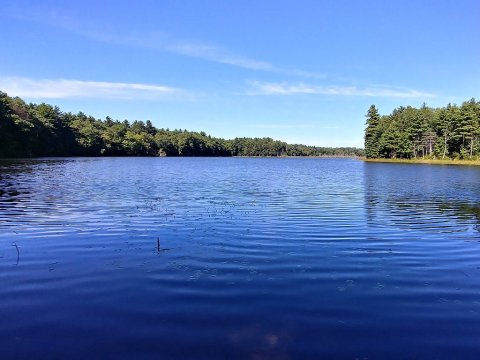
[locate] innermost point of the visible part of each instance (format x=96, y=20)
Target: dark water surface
x=258, y=259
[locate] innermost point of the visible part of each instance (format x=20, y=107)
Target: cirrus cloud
x=282, y=88
x=68, y=88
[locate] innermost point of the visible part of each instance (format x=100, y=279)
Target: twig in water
x=158, y=247
x=18, y=252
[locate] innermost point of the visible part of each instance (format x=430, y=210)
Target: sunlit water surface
x=194, y=258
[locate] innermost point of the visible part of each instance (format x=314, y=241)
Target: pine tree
x=372, y=133
x=468, y=126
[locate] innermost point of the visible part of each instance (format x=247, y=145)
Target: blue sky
x=299, y=71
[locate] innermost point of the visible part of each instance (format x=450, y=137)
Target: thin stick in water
x=159, y=249
x=18, y=252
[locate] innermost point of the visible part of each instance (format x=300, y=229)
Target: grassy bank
x=426, y=161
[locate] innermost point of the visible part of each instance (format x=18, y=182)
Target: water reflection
x=414, y=197
x=267, y=258
x=30, y=191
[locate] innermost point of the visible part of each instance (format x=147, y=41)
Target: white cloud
x=160, y=41
x=266, y=88
x=64, y=88
x=219, y=55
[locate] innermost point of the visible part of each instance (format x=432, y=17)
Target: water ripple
x=238, y=258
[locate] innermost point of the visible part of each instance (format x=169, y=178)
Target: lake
x=238, y=258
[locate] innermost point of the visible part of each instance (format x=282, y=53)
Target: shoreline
x=425, y=161
x=196, y=157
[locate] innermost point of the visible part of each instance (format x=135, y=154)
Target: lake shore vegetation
x=43, y=130
x=447, y=133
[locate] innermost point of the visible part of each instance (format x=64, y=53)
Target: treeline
x=37, y=130
x=448, y=132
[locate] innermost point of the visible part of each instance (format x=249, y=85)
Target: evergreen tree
x=408, y=132
x=372, y=133
x=468, y=127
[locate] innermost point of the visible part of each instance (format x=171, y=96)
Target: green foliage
x=28, y=130
x=408, y=132
x=372, y=133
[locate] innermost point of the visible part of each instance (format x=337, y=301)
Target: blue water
x=236, y=258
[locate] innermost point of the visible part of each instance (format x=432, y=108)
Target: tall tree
x=408, y=132
x=372, y=133
x=468, y=126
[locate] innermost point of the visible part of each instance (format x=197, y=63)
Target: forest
x=42, y=130
x=450, y=132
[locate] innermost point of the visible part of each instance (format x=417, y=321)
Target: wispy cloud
x=216, y=54
x=269, y=88
x=160, y=41
x=66, y=88
x=164, y=42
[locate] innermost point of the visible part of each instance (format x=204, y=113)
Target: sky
x=303, y=71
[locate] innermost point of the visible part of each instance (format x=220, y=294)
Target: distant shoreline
x=425, y=161
x=187, y=156
x=303, y=157
x=43, y=130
